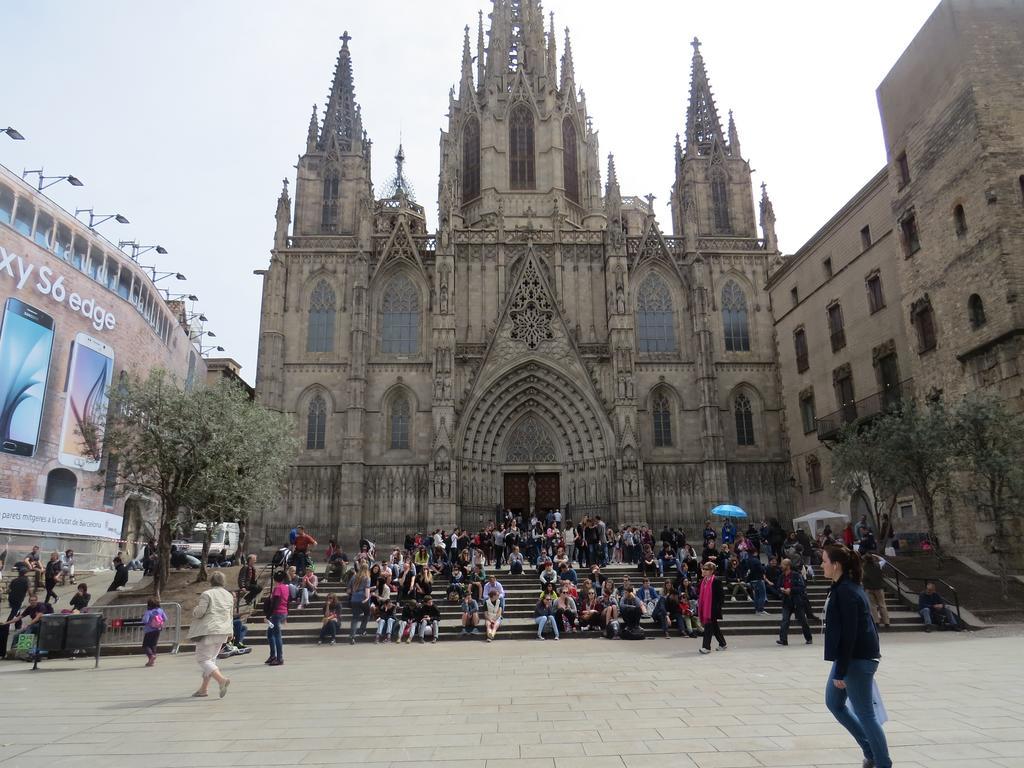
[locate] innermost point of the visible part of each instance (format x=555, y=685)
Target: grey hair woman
x=211, y=627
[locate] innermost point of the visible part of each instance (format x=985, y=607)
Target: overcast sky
x=185, y=116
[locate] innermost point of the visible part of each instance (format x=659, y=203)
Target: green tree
x=206, y=453
x=921, y=455
x=245, y=461
x=989, y=442
x=862, y=459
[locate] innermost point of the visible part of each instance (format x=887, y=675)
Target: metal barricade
x=125, y=628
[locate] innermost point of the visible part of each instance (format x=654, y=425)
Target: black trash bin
x=52, y=630
x=69, y=632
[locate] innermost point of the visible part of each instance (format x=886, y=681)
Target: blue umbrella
x=728, y=510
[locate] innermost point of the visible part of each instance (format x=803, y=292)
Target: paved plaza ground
x=953, y=700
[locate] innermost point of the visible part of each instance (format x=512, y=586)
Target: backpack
x=270, y=603
x=612, y=630
x=157, y=621
x=633, y=633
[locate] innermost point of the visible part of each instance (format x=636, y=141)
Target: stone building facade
x=550, y=345
x=843, y=351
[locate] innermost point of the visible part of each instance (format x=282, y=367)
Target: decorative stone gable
x=529, y=443
x=531, y=311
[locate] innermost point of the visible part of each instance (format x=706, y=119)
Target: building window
x=959, y=221
x=906, y=510
x=24, y=217
x=400, y=424
x=655, y=317
x=908, y=229
x=923, y=319
x=865, y=237
x=889, y=379
x=827, y=266
x=1020, y=183
x=569, y=160
x=843, y=381
x=875, y=298
x=520, y=148
x=471, y=160
x=662, y=414
x=800, y=347
x=903, y=169
x=720, y=202
x=6, y=205
x=836, y=331
x=400, y=318
x=329, y=214
x=813, y=473
x=976, y=311
x=794, y=295
x=316, y=423
x=807, y=412
x=61, y=486
x=62, y=244
x=744, y=421
x=734, y=318
x=44, y=230
x=320, y=334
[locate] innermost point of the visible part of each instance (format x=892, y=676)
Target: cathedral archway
x=534, y=417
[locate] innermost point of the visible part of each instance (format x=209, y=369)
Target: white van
x=223, y=544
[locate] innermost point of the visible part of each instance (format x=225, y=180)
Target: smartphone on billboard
x=85, y=408
x=26, y=340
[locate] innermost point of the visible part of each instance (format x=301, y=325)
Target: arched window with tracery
x=570, y=170
x=661, y=415
x=471, y=160
x=400, y=317
x=734, y=318
x=320, y=334
x=400, y=416
x=744, y=420
x=520, y=148
x=720, y=203
x=316, y=423
x=655, y=318
x=329, y=213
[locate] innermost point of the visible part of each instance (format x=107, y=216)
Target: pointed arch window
x=570, y=170
x=661, y=413
x=720, y=203
x=329, y=213
x=744, y=420
x=400, y=415
x=316, y=423
x=471, y=160
x=400, y=317
x=734, y=318
x=976, y=310
x=320, y=334
x=521, y=173
x=655, y=316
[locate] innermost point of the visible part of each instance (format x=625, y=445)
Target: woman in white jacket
x=211, y=627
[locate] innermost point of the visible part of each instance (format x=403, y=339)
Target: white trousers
x=207, y=648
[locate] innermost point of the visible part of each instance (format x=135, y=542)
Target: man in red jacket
x=300, y=555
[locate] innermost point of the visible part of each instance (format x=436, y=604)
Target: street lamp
x=74, y=181
x=137, y=249
x=192, y=316
x=96, y=219
x=207, y=350
x=157, y=276
x=13, y=133
x=178, y=296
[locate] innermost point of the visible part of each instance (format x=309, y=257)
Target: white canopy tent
x=821, y=516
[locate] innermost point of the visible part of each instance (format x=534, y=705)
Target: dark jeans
x=300, y=560
x=329, y=631
x=862, y=722
x=274, y=636
x=149, y=642
x=760, y=597
x=712, y=628
x=239, y=628
x=360, y=614
x=789, y=607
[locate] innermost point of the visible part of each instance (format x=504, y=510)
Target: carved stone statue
x=444, y=299
x=532, y=484
x=620, y=301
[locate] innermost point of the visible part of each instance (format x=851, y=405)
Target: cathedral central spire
x=703, y=128
x=342, y=121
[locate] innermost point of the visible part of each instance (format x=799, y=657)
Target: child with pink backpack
x=153, y=621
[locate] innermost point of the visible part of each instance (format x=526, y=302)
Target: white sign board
x=51, y=518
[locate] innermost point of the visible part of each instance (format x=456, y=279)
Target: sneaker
x=539, y=637
x=808, y=642
x=351, y=641
x=556, y=637
x=476, y=631
x=927, y=627
x=704, y=650
x=270, y=660
x=732, y=599
x=722, y=648
x=489, y=639
x=244, y=650
x=434, y=640
x=781, y=642
x=277, y=662
x=332, y=642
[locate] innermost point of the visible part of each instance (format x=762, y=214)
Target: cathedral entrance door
x=517, y=491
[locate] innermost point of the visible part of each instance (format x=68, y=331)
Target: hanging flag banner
x=51, y=518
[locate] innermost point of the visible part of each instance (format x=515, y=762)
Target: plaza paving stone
x=953, y=701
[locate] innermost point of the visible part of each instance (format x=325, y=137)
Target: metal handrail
x=925, y=580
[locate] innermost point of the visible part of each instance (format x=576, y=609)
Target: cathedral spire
x=480, y=49
x=612, y=194
x=552, y=52
x=341, y=118
x=734, y=137
x=568, y=71
x=283, y=217
x=771, y=242
x=703, y=128
x=312, y=132
x=466, y=83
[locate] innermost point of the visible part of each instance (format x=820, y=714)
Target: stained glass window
x=400, y=317
x=734, y=318
x=655, y=317
x=320, y=334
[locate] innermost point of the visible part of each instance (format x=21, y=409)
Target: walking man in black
x=793, y=593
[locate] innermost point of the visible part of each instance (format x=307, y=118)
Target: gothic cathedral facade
x=549, y=345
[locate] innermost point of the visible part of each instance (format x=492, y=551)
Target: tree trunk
x=163, y=548
x=928, y=503
x=207, y=539
x=243, y=539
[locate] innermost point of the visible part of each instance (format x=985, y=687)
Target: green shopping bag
x=26, y=646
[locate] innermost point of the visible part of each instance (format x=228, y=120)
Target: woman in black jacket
x=851, y=643
x=710, y=597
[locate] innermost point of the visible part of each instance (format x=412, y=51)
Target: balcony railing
x=862, y=411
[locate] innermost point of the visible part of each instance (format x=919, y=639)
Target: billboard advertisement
x=26, y=341
x=51, y=518
x=85, y=407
